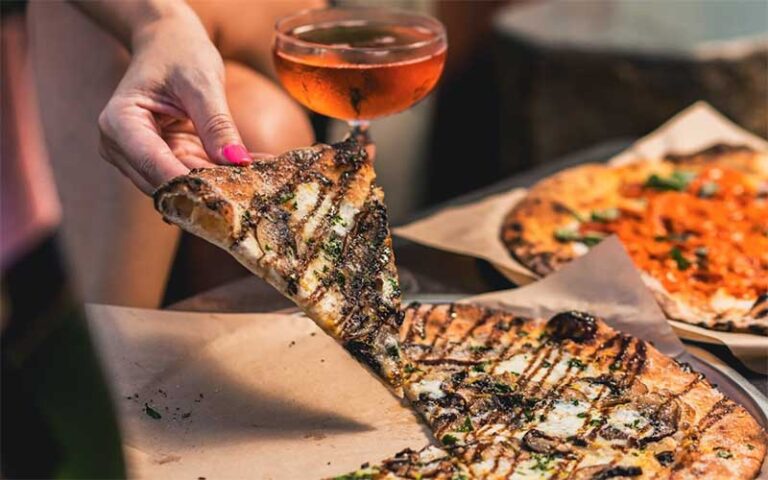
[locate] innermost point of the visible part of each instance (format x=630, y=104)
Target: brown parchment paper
x=269, y=396
x=474, y=229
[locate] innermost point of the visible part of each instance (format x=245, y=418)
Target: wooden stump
x=573, y=74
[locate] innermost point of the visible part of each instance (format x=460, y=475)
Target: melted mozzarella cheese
x=249, y=250
x=313, y=276
x=515, y=364
x=532, y=469
x=579, y=248
x=311, y=225
x=306, y=198
x=430, y=388
x=563, y=420
x=722, y=302
x=344, y=218
x=627, y=420
x=556, y=373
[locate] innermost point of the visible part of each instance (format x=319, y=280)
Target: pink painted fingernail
x=236, y=154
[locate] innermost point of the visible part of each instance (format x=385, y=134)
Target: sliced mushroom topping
x=612, y=433
x=664, y=421
x=603, y=472
x=540, y=442
x=618, y=471
x=665, y=458
x=579, y=327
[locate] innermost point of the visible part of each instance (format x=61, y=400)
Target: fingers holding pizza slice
x=313, y=224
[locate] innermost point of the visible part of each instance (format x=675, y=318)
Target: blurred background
x=525, y=83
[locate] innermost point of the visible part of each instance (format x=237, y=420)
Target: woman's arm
x=176, y=74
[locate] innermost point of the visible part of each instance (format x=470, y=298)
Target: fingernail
x=236, y=154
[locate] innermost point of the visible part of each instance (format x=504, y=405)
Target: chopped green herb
x=581, y=415
x=522, y=333
x=151, y=412
x=393, y=351
x=566, y=235
x=466, y=426
x=341, y=279
x=394, y=286
x=545, y=364
x=529, y=415
x=682, y=262
x=480, y=367
x=542, y=462
x=544, y=336
x=604, y=216
x=591, y=239
x=285, y=197
x=576, y=363
x=595, y=422
x=750, y=446
x=500, y=387
x=409, y=368
x=333, y=248
x=449, y=440
x=634, y=424
x=364, y=474
x=677, y=181
x=337, y=220
x=615, y=366
x=575, y=403
x=724, y=453
x=542, y=417
x=479, y=348
x=708, y=189
x=267, y=248
x=459, y=476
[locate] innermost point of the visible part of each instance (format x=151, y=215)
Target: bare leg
x=119, y=248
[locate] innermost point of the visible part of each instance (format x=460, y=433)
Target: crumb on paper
x=293, y=342
x=151, y=412
x=167, y=459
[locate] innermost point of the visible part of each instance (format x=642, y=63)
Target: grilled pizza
x=567, y=397
x=313, y=224
x=696, y=225
x=506, y=396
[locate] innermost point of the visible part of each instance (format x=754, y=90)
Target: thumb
x=213, y=122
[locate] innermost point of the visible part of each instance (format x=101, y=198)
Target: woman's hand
x=169, y=113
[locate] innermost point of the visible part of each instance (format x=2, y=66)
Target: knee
x=268, y=119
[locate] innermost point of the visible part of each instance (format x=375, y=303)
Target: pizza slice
x=564, y=397
x=313, y=224
x=696, y=225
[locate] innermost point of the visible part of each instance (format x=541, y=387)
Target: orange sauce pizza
x=697, y=234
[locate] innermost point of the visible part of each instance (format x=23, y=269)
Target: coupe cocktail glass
x=358, y=64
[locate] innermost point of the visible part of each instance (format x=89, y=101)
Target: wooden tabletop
x=424, y=270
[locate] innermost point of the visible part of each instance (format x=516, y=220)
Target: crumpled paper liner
x=474, y=229
x=269, y=396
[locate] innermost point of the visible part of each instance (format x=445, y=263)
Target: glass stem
x=358, y=129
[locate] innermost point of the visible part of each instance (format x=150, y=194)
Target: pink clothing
x=29, y=206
